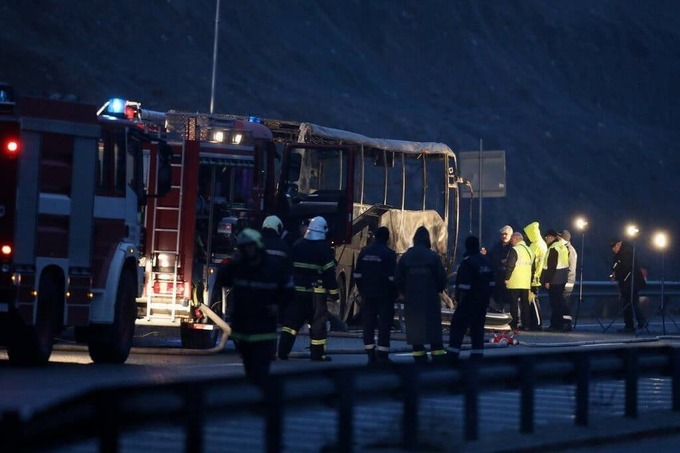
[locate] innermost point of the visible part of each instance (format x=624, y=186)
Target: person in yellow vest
x=540, y=248
x=554, y=278
x=518, y=274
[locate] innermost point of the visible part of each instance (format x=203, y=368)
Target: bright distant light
x=236, y=139
x=632, y=230
x=218, y=136
x=6, y=249
x=660, y=240
x=580, y=223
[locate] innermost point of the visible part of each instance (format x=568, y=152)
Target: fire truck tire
x=32, y=345
x=111, y=343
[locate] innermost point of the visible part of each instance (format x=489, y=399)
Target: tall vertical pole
x=214, y=68
x=481, y=195
x=663, y=304
x=632, y=284
x=580, y=278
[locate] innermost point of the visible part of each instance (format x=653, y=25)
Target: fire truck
x=72, y=196
x=223, y=180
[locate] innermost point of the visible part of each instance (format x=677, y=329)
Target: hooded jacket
x=420, y=278
x=539, y=247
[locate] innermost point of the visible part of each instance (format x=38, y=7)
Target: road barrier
x=105, y=414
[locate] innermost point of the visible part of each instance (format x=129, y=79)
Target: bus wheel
x=343, y=311
x=111, y=343
x=32, y=345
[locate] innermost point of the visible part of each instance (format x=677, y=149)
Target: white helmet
x=274, y=223
x=317, y=229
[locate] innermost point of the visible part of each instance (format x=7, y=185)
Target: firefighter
x=314, y=277
x=258, y=283
x=474, y=281
x=276, y=247
x=420, y=278
x=374, y=276
x=554, y=278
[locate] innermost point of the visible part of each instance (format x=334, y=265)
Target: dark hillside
x=582, y=95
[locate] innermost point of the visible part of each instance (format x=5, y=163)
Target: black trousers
x=311, y=308
x=519, y=302
x=468, y=315
x=257, y=357
x=377, y=312
x=556, y=296
x=632, y=308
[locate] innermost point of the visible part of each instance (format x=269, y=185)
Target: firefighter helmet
x=274, y=223
x=317, y=229
x=250, y=236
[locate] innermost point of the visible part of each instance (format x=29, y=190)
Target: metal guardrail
x=105, y=414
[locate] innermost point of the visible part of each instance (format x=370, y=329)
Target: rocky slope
x=583, y=96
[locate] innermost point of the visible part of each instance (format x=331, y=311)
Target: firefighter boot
x=318, y=351
x=286, y=341
x=382, y=357
x=372, y=356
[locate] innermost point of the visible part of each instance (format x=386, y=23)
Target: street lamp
x=661, y=242
x=632, y=232
x=580, y=223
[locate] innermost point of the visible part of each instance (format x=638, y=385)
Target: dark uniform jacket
x=374, y=271
x=314, y=267
x=621, y=270
x=497, y=254
x=473, y=280
x=420, y=278
x=257, y=292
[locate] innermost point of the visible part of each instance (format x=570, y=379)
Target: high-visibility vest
x=562, y=269
x=521, y=274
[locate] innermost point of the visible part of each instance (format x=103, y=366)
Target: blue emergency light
x=116, y=106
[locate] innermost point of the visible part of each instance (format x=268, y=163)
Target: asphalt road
x=157, y=358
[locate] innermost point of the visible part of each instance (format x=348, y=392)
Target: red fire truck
x=71, y=199
x=222, y=181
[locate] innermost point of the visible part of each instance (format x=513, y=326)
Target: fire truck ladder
x=176, y=251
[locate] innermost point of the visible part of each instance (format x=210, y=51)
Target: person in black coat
x=497, y=256
x=420, y=278
x=278, y=249
x=374, y=277
x=623, y=269
x=259, y=283
x=474, y=280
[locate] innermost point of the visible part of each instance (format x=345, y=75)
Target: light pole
x=580, y=223
x=632, y=232
x=660, y=242
x=214, y=65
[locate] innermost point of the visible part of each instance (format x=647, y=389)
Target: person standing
x=276, y=247
x=554, y=277
x=420, y=278
x=565, y=237
x=314, y=277
x=259, y=284
x=518, y=274
x=374, y=277
x=540, y=248
x=497, y=258
x=473, y=291
x=623, y=269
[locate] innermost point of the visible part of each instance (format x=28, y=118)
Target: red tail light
x=6, y=249
x=11, y=147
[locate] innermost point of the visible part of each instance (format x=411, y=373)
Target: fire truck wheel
x=32, y=345
x=111, y=343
